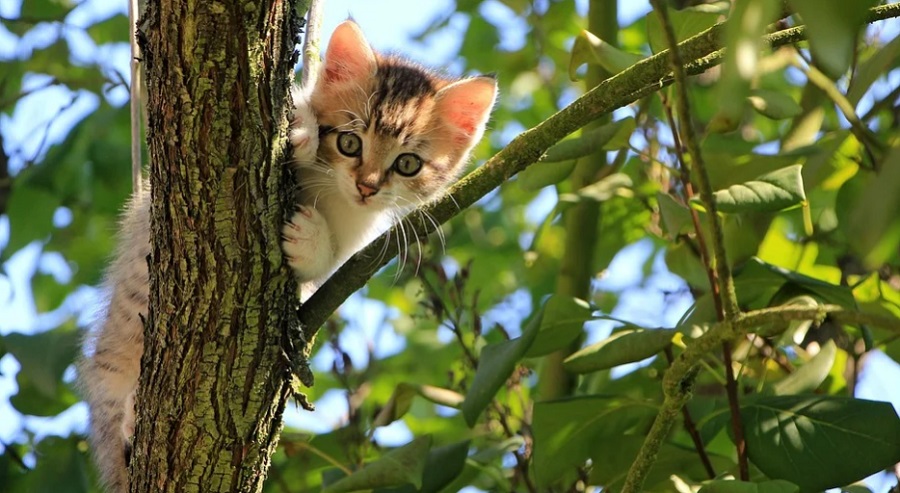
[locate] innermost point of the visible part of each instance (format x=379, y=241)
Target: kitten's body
x=408, y=133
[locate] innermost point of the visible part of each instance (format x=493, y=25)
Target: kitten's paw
x=306, y=242
x=304, y=132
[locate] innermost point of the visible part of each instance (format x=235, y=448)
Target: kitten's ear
x=465, y=106
x=349, y=56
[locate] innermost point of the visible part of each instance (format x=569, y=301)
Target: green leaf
x=62, y=467
x=600, y=191
x=30, y=399
x=403, y=465
x=676, y=216
x=773, y=104
x=627, y=346
x=611, y=460
x=111, y=30
x=541, y=174
x=593, y=50
x=30, y=211
x=562, y=322
x=758, y=282
x=872, y=223
x=46, y=10
x=401, y=401
x=686, y=23
x=743, y=42
x=496, y=364
x=768, y=193
x=443, y=466
x=44, y=356
x=810, y=375
x=821, y=442
x=734, y=486
x=609, y=137
x=884, y=58
x=567, y=431
x=832, y=27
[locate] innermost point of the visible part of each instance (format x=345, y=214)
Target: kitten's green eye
x=408, y=164
x=349, y=144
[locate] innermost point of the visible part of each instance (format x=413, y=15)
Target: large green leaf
x=593, y=50
x=773, y=104
x=400, y=466
x=743, y=40
x=443, y=466
x=401, y=401
x=62, y=467
x=626, y=346
x=809, y=376
x=768, y=193
x=609, y=137
x=685, y=23
x=44, y=356
x=562, y=322
x=30, y=211
x=110, y=30
x=820, y=442
x=612, y=458
x=832, y=27
x=496, y=364
x=734, y=486
x=869, y=211
x=566, y=432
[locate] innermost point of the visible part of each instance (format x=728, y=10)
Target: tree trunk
x=214, y=382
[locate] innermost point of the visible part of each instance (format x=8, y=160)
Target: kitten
x=392, y=137
x=374, y=138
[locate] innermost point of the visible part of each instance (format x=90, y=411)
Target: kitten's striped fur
x=394, y=108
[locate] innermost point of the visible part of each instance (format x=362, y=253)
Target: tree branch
x=679, y=377
x=641, y=79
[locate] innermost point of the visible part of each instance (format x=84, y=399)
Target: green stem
x=581, y=220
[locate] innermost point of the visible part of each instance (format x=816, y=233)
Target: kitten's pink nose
x=366, y=191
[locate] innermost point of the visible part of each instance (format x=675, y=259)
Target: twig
x=691, y=428
x=135, y=104
x=721, y=280
x=311, y=43
x=640, y=80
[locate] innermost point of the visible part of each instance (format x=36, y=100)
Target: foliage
x=802, y=152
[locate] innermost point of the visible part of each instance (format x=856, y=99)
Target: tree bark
x=214, y=381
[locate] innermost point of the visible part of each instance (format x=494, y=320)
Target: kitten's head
x=394, y=133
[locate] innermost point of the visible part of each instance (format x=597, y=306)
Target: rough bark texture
x=214, y=382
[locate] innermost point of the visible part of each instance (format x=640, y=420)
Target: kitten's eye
x=349, y=144
x=408, y=164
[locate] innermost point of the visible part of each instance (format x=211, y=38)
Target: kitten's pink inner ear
x=466, y=106
x=349, y=56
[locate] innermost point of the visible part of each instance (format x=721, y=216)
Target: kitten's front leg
x=307, y=244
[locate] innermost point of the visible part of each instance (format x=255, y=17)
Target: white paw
x=306, y=242
x=304, y=131
x=128, y=417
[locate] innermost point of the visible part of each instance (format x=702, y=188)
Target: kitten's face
x=394, y=135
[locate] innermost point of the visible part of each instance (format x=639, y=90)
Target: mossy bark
x=214, y=381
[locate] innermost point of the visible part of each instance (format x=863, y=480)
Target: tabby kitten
x=374, y=138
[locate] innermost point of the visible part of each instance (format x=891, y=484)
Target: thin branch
x=691, y=429
x=135, y=103
x=640, y=80
x=721, y=281
x=311, y=42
